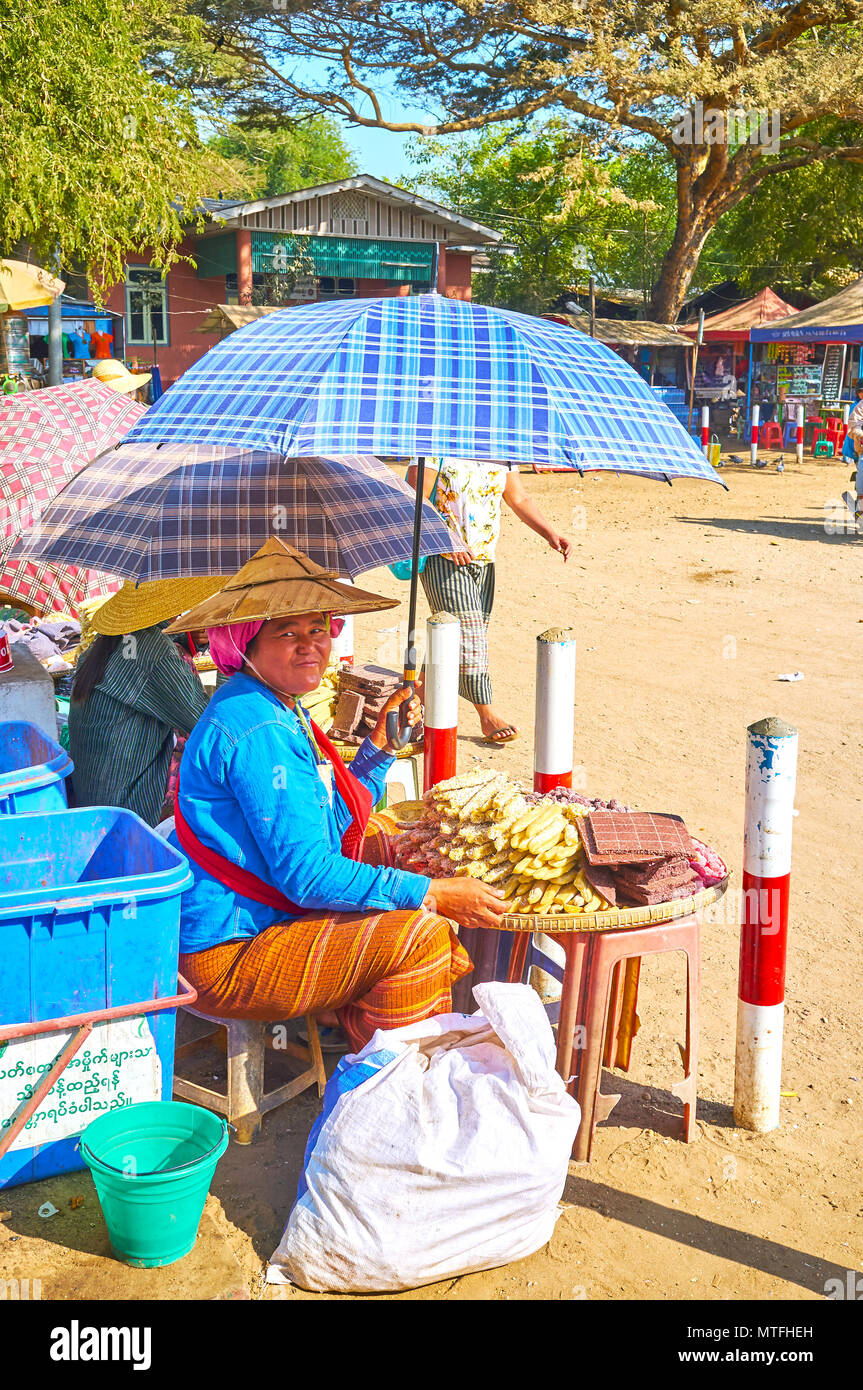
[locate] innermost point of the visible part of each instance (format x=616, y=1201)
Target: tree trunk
x=698, y=210
x=678, y=268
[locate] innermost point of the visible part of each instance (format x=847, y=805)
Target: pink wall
x=457, y=275
x=188, y=300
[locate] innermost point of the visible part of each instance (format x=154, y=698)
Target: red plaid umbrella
x=46, y=437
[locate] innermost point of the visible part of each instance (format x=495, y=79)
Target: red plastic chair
x=593, y=1005
x=771, y=435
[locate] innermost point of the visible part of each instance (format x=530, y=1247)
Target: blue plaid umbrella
x=424, y=375
x=181, y=510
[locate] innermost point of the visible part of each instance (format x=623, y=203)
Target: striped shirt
x=122, y=737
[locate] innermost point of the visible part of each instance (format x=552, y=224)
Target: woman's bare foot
x=495, y=729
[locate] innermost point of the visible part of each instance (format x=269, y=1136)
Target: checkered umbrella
x=180, y=510
x=46, y=438
x=424, y=375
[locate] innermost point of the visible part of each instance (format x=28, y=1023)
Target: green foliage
x=270, y=162
x=98, y=159
x=562, y=212
x=798, y=231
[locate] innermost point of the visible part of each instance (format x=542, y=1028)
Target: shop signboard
x=833, y=371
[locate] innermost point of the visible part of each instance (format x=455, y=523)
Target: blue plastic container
x=89, y=919
x=32, y=770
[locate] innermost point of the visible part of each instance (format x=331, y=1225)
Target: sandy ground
x=687, y=603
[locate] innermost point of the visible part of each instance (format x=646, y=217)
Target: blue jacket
x=250, y=790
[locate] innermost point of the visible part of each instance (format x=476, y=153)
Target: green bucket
x=152, y=1164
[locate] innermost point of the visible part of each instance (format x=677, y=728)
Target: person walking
x=468, y=495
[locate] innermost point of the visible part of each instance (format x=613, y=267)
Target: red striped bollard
x=771, y=772
x=801, y=414
x=343, y=645
x=443, y=656
x=753, y=437
x=554, y=722
x=705, y=430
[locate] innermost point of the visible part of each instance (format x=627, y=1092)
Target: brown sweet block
x=633, y=837
x=349, y=712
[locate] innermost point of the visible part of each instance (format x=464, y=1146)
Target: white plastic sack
x=442, y=1149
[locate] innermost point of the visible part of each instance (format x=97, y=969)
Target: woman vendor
x=132, y=691
x=292, y=910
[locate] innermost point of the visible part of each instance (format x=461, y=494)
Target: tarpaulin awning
x=736, y=324
x=626, y=332
x=837, y=320
x=224, y=318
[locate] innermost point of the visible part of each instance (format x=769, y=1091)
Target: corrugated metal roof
x=377, y=186
x=626, y=332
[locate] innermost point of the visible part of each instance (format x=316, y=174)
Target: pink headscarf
x=228, y=644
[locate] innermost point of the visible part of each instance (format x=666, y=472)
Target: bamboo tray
x=616, y=918
x=407, y=813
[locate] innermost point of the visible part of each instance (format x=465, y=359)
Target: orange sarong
x=377, y=970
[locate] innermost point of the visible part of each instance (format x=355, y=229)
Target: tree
x=270, y=162
x=728, y=89
x=558, y=223
x=801, y=231
x=98, y=159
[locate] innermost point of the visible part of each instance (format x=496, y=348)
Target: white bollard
x=753, y=437
x=705, y=430
x=801, y=414
x=771, y=772
x=554, y=721
x=343, y=645
x=443, y=655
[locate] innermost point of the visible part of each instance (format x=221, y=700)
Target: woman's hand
x=467, y=901
x=395, y=702
x=560, y=543
x=462, y=557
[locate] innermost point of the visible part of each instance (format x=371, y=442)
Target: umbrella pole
x=398, y=729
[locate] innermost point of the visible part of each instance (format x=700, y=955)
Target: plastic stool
x=591, y=999
x=770, y=435
x=824, y=446
x=245, y=1043
x=404, y=773
x=790, y=435
x=811, y=427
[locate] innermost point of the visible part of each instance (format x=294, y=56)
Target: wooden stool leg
x=569, y=1049
x=629, y=1021
x=613, y=1020
x=687, y=1088
x=245, y=1077
x=517, y=958
x=317, y=1055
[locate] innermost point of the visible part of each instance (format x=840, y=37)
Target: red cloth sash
x=356, y=797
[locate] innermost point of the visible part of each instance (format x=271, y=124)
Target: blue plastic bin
x=32, y=770
x=89, y=919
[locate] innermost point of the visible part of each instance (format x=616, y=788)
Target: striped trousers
x=376, y=969
x=466, y=591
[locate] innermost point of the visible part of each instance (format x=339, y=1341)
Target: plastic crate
x=32, y=770
x=89, y=920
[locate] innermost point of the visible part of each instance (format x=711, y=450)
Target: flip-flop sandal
x=505, y=735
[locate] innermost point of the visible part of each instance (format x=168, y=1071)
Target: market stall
x=725, y=356
x=812, y=357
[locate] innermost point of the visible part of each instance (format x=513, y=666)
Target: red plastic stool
x=591, y=1000
x=771, y=435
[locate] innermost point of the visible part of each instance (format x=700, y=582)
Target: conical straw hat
x=137, y=606
x=279, y=582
